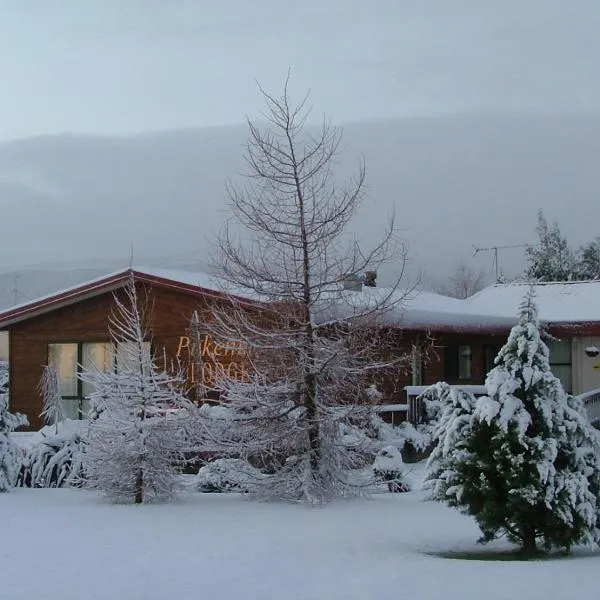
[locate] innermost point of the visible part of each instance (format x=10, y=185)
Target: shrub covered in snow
x=388, y=466
x=228, y=475
x=56, y=458
x=522, y=460
x=10, y=457
x=49, y=389
x=3, y=377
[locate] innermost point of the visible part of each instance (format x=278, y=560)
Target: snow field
x=70, y=544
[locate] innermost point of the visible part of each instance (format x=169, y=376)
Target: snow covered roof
x=558, y=303
x=493, y=310
x=186, y=281
x=417, y=310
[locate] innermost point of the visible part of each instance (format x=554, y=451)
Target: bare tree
x=310, y=345
x=464, y=282
x=135, y=438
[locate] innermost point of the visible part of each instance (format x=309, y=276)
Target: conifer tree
x=552, y=259
x=523, y=460
x=133, y=444
x=588, y=261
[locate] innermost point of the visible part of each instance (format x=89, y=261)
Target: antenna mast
x=494, y=250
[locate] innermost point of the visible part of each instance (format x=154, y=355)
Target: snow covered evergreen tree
x=308, y=367
x=49, y=389
x=588, y=261
x=551, y=259
x=135, y=435
x=10, y=463
x=523, y=460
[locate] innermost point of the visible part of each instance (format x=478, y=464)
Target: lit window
x=69, y=359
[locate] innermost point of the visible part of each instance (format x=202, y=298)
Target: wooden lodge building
x=69, y=331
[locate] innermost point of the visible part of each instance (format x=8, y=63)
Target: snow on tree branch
x=288, y=245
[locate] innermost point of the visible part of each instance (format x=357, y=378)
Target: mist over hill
x=78, y=205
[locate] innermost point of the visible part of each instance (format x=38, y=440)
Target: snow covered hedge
x=10, y=457
x=228, y=475
x=388, y=467
x=55, y=459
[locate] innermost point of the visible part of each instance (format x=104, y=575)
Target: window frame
x=453, y=351
x=562, y=364
x=79, y=364
x=488, y=359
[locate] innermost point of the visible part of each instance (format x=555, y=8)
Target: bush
x=55, y=461
x=228, y=475
x=389, y=468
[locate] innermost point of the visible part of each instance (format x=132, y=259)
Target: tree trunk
x=528, y=546
x=139, y=487
x=313, y=426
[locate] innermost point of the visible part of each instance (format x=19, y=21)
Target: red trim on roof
x=192, y=289
x=588, y=328
x=73, y=294
x=99, y=286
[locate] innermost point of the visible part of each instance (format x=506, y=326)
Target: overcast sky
x=472, y=114
x=116, y=66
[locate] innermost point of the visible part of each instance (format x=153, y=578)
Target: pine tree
x=9, y=456
x=551, y=259
x=135, y=436
x=588, y=261
x=523, y=460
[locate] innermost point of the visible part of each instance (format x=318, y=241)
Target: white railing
x=591, y=400
x=415, y=404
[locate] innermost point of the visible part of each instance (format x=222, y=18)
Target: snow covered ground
x=69, y=544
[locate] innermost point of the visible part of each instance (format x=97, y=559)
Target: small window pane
x=490, y=356
x=464, y=362
x=128, y=356
x=96, y=356
x=450, y=363
x=564, y=373
x=560, y=351
x=63, y=359
x=70, y=408
x=85, y=409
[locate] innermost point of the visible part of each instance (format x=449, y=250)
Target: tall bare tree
x=313, y=350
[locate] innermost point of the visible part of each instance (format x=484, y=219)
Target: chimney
x=370, y=278
x=353, y=283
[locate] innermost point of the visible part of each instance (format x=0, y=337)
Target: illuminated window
x=69, y=359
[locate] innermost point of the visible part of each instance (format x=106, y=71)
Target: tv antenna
x=494, y=250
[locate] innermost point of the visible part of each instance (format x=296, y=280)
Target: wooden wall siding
x=87, y=321
x=434, y=370
x=168, y=321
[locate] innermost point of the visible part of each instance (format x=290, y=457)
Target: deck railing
x=414, y=410
x=591, y=400
x=415, y=413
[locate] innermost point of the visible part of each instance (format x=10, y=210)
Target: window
x=490, y=356
x=561, y=362
x=457, y=363
x=69, y=359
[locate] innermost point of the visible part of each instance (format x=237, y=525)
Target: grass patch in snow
x=498, y=555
